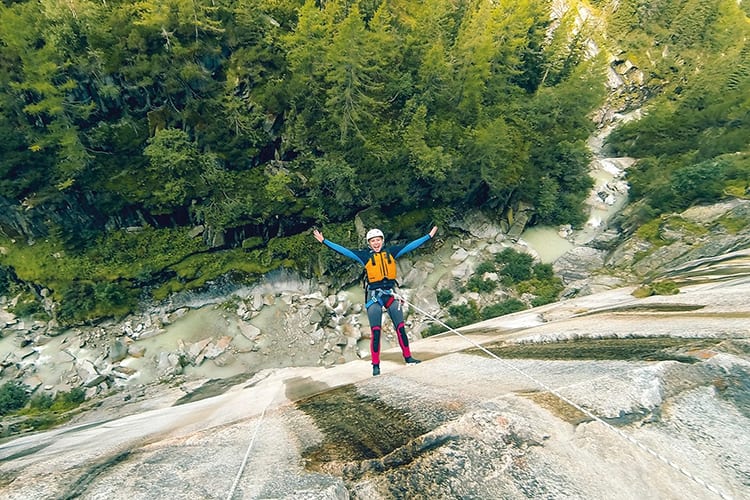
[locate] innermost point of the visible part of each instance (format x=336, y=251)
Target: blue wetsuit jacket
x=362, y=256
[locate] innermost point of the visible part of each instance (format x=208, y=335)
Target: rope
x=247, y=454
x=586, y=412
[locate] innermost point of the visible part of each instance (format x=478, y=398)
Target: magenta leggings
x=375, y=315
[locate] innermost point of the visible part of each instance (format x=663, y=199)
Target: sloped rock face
x=696, y=233
x=686, y=240
x=603, y=396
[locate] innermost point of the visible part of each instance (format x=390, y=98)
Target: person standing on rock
x=380, y=271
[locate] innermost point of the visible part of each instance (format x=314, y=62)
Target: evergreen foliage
x=693, y=142
x=13, y=396
x=258, y=119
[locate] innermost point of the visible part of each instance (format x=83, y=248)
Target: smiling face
x=376, y=243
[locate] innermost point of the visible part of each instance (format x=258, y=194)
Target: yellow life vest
x=381, y=266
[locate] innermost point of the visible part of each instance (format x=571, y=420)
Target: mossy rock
x=642, y=292
x=656, y=288
x=251, y=243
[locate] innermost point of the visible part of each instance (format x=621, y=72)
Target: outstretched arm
x=417, y=243
x=337, y=248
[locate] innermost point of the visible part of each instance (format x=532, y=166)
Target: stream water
x=607, y=197
x=207, y=322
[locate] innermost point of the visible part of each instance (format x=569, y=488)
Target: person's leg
x=397, y=316
x=375, y=316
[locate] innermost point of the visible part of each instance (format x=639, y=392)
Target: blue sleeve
x=411, y=246
x=343, y=251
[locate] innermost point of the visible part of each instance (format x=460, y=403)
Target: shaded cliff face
x=603, y=396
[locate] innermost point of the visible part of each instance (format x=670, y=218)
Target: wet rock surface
x=603, y=396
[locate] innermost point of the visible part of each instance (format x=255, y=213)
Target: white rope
x=541, y=384
x=247, y=454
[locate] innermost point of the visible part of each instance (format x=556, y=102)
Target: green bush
x=651, y=232
x=477, y=284
x=732, y=225
x=464, y=314
x=42, y=401
x=85, y=300
x=75, y=396
x=665, y=288
x=6, y=279
x=547, y=293
x=252, y=242
x=543, y=271
x=502, y=308
x=544, y=290
x=27, y=306
x=444, y=297
x=433, y=330
x=642, y=292
x=516, y=267
x=657, y=288
x=46, y=410
x=485, y=267
x=703, y=182
x=13, y=396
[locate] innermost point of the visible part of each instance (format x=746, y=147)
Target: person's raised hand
x=433, y=231
x=318, y=235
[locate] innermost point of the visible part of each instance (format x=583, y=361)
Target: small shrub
x=479, y=285
x=6, y=279
x=502, y=308
x=665, y=288
x=656, y=288
x=76, y=396
x=65, y=401
x=544, y=290
x=13, y=396
x=541, y=300
x=252, y=242
x=516, y=266
x=464, y=314
x=84, y=300
x=543, y=271
x=42, y=401
x=732, y=225
x=700, y=182
x=28, y=307
x=433, y=330
x=444, y=297
x=651, y=232
x=642, y=292
x=737, y=189
x=485, y=267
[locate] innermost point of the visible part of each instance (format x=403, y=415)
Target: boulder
x=168, y=365
x=118, y=351
x=578, y=263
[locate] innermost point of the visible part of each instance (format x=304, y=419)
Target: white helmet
x=374, y=233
